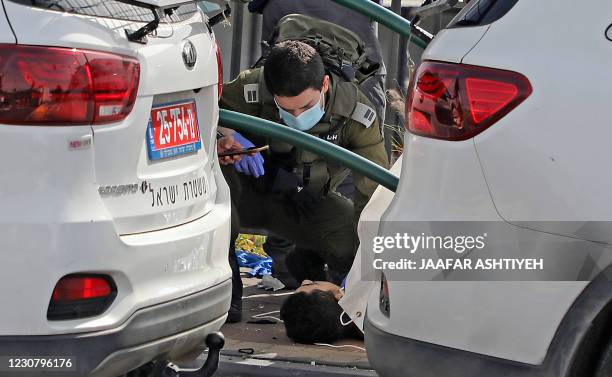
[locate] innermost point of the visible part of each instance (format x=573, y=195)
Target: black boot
x=235, y=311
x=278, y=249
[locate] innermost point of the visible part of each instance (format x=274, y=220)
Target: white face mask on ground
x=355, y=304
x=351, y=320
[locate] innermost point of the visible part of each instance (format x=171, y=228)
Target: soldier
x=295, y=197
x=274, y=10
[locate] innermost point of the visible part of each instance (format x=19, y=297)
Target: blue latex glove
x=249, y=165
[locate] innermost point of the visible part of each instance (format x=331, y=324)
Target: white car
x=509, y=124
x=115, y=217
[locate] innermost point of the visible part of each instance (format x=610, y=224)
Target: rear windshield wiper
x=140, y=35
x=435, y=7
x=428, y=10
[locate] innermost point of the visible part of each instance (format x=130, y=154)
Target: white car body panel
x=54, y=222
x=451, y=45
x=147, y=268
x=552, y=176
x=431, y=169
x=452, y=313
x=489, y=179
x=497, y=319
x=6, y=34
x=120, y=149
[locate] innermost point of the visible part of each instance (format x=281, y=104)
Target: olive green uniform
x=296, y=199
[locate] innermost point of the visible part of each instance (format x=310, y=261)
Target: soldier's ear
x=325, y=87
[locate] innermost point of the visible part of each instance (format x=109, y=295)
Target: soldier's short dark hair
x=292, y=67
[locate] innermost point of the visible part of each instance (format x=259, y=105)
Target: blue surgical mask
x=305, y=120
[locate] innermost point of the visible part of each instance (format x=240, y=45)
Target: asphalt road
x=238, y=367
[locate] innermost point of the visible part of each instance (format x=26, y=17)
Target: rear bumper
x=170, y=329
x=147, y=268
x=574, y=350
x=391, y=356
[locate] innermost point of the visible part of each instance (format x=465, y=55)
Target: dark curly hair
x=292, y=67
x=314, y=318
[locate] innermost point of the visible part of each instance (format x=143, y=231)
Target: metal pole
x=402, y=60
x=255, y=37
x=392, y=72
x=248, y=123
x=237, y=21
x=402, y=78
x=436, y=20
x=396, y=7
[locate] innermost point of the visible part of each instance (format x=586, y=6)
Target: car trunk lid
x=153, y=169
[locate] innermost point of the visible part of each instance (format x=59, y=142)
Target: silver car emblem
x=190, y=56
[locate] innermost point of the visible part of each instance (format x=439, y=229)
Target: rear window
x=481, y=12
x=110, y=9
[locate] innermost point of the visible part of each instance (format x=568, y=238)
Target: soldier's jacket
x=350, y=121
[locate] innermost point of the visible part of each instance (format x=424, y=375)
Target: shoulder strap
x=343, y=98
x=265, y=97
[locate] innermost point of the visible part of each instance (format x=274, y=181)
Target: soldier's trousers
x=327, y=229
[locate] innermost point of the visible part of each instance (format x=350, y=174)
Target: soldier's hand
x=252, y=164
x=225, y=144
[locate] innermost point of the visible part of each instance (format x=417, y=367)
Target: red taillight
x=457, y=102
x=115, y=84
x=74, y=288
x=219, y=69
x=62, y=86
x=81, y=295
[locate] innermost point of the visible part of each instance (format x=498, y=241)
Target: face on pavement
x=309, y=286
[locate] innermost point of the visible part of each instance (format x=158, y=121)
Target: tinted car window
x=482, y=12
x=110, y=9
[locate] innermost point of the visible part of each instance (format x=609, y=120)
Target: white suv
x=115, y=217
x=509, y=124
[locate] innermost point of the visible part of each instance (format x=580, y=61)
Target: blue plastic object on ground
x=259, y=265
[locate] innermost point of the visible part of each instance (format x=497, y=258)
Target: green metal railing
x=248, y=123
x=383, y=16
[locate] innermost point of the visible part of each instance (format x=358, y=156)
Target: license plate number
x=173, y=130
